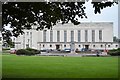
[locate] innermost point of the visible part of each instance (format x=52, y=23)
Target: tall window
x=27, y=33
x=31, y=39
x=100, y=34
x=51, y=36
x=65, y=36
x=58, y=36
x=72, y=36
x=78, y=35
x=86, y=35
x=93, y=35
x=44, y=36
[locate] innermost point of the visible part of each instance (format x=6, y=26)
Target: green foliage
x=5, y=49
x=23, y=15
x=28, y=51
x=22, y=52
x=34, y=51
x=114, y=52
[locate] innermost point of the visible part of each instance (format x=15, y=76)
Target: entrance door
x=87, y=47
x=57, y=47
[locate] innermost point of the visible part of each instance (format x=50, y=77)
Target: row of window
x=80, y=46
x=72, y=36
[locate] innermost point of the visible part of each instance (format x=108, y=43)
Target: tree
x=23, y=15
x=115, y=39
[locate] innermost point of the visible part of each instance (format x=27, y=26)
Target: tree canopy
x=23, y=15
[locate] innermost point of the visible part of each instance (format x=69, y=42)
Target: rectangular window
x=86, y=35
x=72, y=36
x=100, y=35
x=93, y=35
x=78, y=35
x=44, y=36
x=51, y=36
x=30, y=39
x=65, y=36
x=27, y=33
x=58, y=36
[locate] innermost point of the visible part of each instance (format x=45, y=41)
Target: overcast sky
x=109, y=14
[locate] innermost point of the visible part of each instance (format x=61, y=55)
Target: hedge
x=114, y=52
x=28, y=51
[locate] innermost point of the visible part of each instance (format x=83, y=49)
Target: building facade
x=97, y=35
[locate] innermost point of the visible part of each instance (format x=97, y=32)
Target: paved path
x=70, y=54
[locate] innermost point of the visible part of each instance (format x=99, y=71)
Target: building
x=95, y=35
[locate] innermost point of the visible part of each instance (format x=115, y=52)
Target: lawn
x=59, y=67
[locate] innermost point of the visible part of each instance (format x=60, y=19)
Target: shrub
x=114, y=52
x=5, y=49
x=27, y=51
x=34, y=51
x=21, y=52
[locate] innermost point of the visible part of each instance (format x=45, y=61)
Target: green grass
x=59, y=67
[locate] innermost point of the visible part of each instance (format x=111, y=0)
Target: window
x=65, y=36
x=78, y=35
x=27, y=33
x=14, y=39
x=44, y=36
x=86, y=35
x=58, y=36
x=101, y=45
x=30, y=38
x=27, y=45
x=28, y=41
x=64, y=45
x=50, y=45
x=116, y=45
x=93, y=35
x=100, y=35
x=79, y=45
x=72, y=36
x=51, y=36
x=108, y=45
x=31, y=33
x=43, y=46
x=93, y=45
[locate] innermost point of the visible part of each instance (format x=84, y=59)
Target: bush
x=21, y=52
x=114, y=52
x=28, y=51
x=5, y=49
x=34, y=51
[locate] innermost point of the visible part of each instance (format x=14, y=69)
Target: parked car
x=12, y=50
x=67, y=50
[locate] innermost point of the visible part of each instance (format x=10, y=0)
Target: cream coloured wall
x=37, y=36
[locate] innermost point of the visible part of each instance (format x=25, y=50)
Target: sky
x=109, y=14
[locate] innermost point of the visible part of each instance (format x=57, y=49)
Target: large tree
x=23, y=15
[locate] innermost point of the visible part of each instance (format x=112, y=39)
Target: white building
x=97, y=35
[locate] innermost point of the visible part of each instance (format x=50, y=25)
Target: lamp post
x=105, y=46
